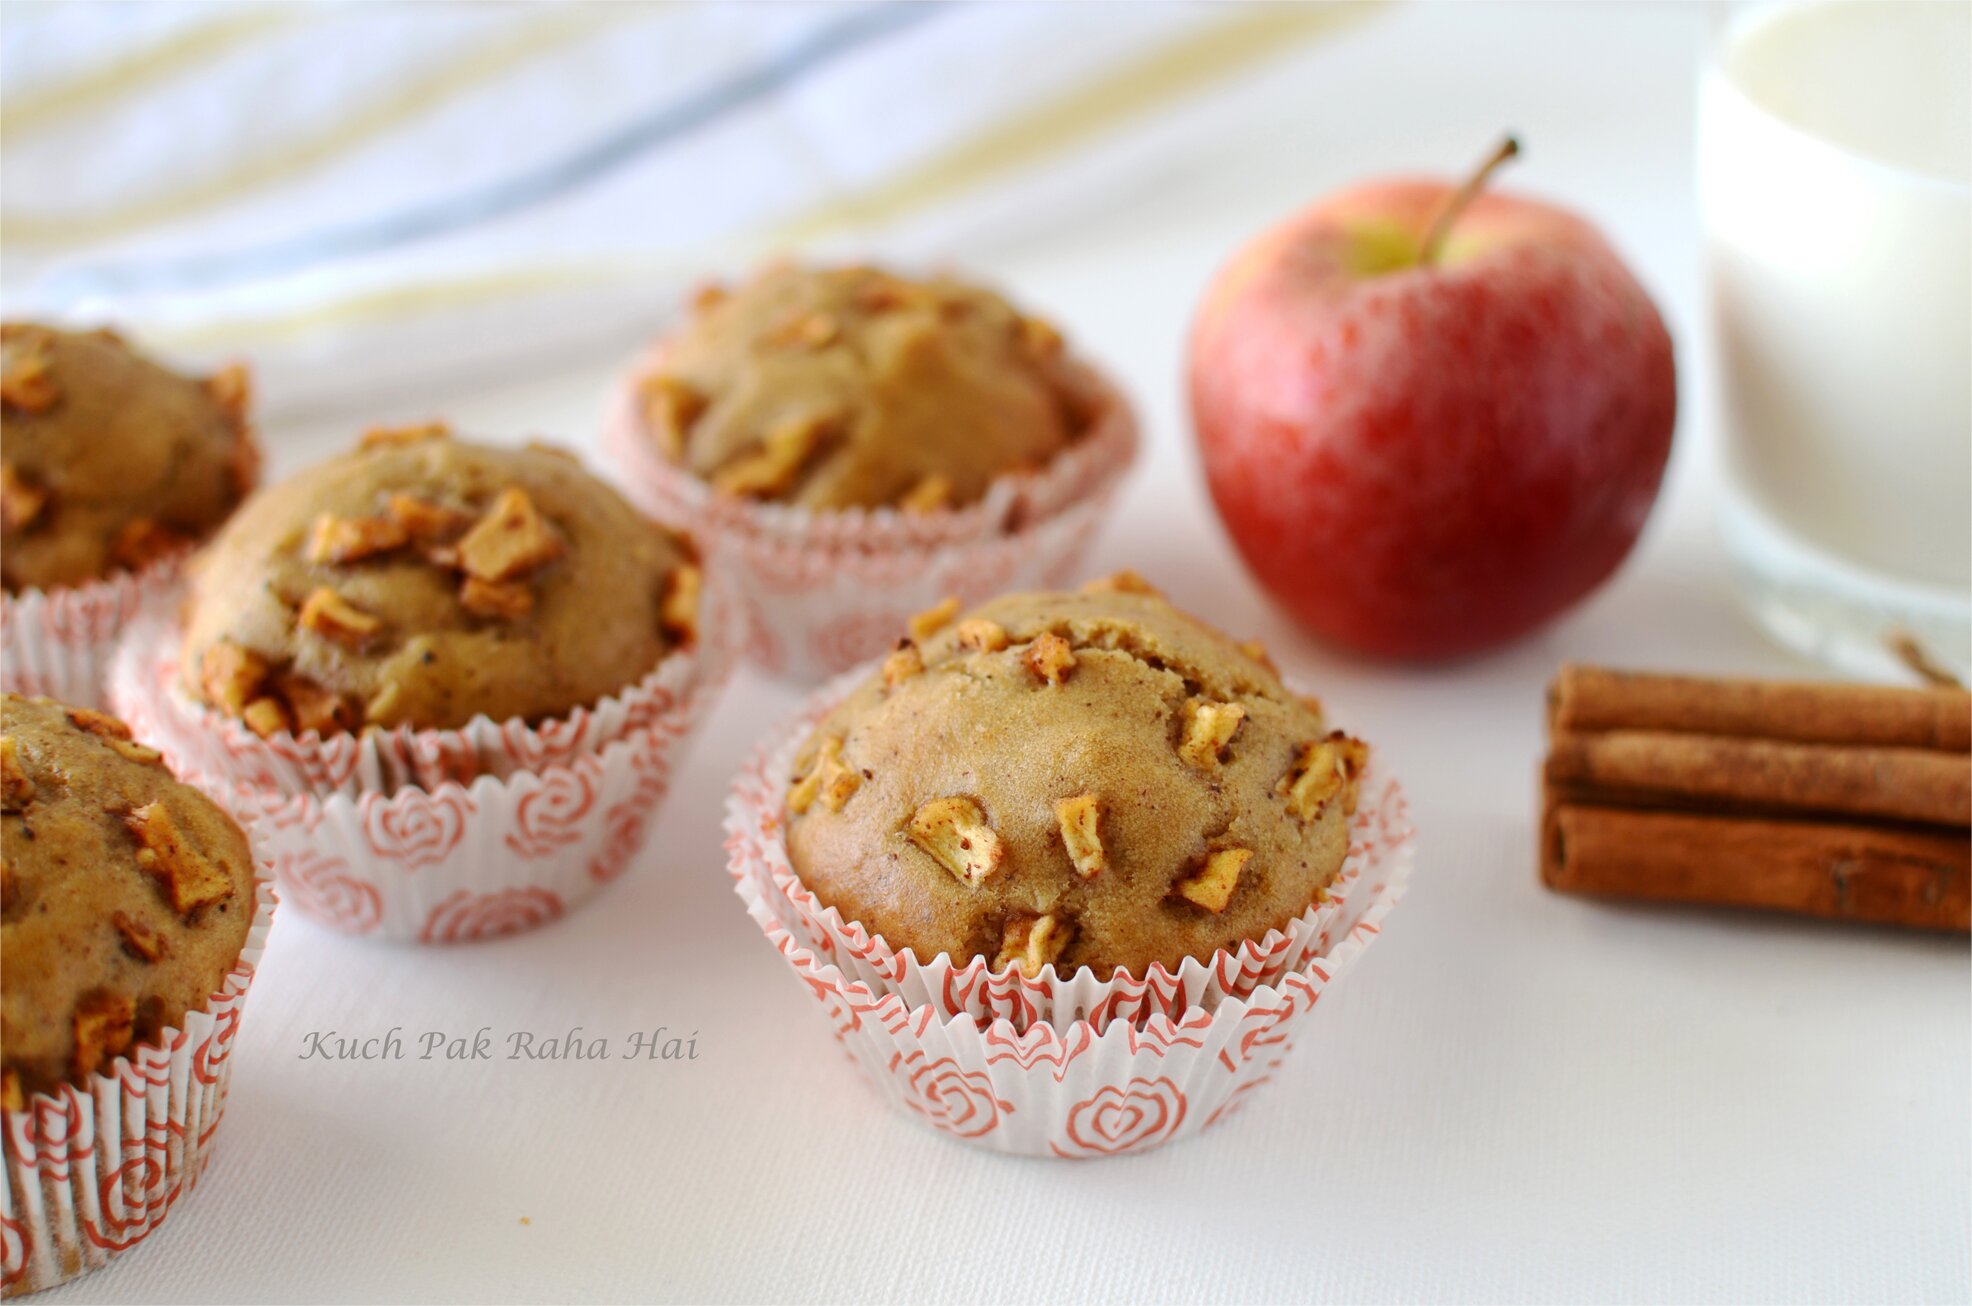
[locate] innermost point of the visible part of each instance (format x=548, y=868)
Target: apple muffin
x=422, y=581
x=1078, y=779
x=851, y=387
x=111, y=461
x=125, y=896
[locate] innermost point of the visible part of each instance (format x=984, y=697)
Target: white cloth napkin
x=359, y=195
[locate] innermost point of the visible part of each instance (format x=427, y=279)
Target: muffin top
x=422, y=580
x=853, y=388
x=1089, y=779
x=111, y=461
x=125, y=896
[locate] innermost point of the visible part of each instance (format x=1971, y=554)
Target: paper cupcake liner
x=144, y=685
x=464, y=862
x=1080, y=1067
x=58, y=643
x=822, y=592
x=93, y=1171
x=1077, y=1090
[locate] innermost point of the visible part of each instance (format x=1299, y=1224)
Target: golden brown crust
x=1093, y=778
x=111, y=461
x=423, y=580
x=128, y=895
x=854, y=388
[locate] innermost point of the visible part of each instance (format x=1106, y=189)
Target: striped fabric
x=387, y=190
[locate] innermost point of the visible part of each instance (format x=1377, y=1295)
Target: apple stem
x=1441, y=226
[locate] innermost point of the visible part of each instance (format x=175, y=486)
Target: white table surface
x=1515, y=1096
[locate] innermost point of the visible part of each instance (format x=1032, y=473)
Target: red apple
x=1431, y=419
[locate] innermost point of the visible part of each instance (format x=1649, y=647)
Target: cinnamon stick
x=1654, y=767
x=1916, y=878
x=1586, y=698
x=1852, y=802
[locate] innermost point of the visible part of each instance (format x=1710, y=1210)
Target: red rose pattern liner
x=58, y=643
x=92, y=1171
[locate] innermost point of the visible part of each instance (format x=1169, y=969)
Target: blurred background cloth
x=362, y=196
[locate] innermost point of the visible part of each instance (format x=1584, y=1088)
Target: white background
x=1515, y=1096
